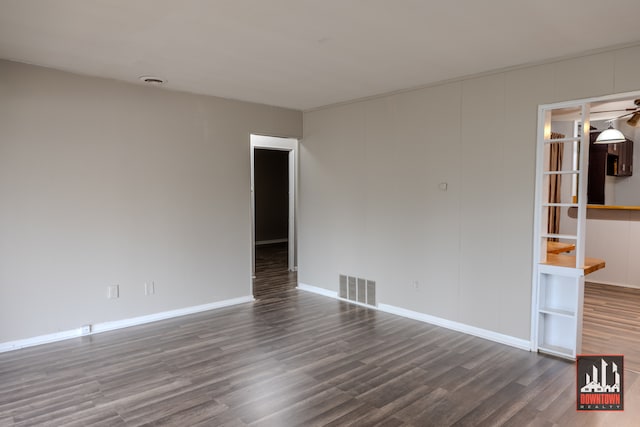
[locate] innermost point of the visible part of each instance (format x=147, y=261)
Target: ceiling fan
x=634, y=112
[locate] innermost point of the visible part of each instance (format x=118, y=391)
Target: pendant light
x=610, y=136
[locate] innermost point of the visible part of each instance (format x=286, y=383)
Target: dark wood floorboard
x=611, y=322
x=272, y=277
x=292, y=359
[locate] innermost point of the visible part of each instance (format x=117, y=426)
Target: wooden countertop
x=614, y=207
x=590, y=264
x=559, y=247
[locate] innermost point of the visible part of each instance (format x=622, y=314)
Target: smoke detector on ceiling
x=152, y=80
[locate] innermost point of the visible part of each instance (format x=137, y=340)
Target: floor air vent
x=357, y=289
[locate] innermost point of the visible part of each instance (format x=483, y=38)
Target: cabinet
x=620, y=158
x=606, y=160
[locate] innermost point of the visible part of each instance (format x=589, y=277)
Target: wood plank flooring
x=272, y=277
x=293, y=359
x=611, y=322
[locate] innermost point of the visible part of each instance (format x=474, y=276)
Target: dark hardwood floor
x=292, y=359
x=611, y=322
x=272, y=277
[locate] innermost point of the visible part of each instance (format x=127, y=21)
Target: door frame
x=539, y=250
x=281, y=144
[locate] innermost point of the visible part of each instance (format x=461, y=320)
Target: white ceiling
x=304, y=54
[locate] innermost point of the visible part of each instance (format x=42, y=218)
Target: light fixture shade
x=610, y=136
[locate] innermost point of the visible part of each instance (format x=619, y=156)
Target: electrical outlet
x=149, y=288
x=113, y=291
x=86, y=329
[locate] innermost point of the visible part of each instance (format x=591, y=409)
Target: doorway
x=273, y=209
x=571, y=313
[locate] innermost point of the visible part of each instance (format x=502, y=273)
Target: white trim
x=270, y=242
x=319, y=291
x=282, y=144
x=119, y=324
x=560, y=271
x=293, y=199
x=601, y=98
x=459, y=327
x=474, y=76
x=433, y=320
x=125, y=323
x=539, y=247
x=42, y=339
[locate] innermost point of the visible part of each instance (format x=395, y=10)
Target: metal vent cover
x=352, y=289
x=343, y=286
x=357, y=289
x=371, y=292
x=362, y=290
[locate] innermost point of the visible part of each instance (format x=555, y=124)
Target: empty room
x=285, y=213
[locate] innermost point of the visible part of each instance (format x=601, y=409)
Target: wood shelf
x=614, y=207
x=569, y=261
x=559, y=247
x=561, y=205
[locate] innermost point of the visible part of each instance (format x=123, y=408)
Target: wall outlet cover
x=113, y=291
x=149, y=288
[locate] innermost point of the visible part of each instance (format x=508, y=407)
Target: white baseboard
x=119, y=324
x=42, y=339
x=317, y=290
x=433, y=320
x=270, y=242
x=457, y=326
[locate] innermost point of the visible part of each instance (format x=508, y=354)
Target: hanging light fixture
x=610, y=136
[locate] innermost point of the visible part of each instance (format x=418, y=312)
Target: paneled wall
x=371, y=201
x=106, y=183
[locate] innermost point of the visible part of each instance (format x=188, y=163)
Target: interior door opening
x=273, y=211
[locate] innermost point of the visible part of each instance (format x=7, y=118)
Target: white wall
x=615, y=237
x=371, y=207
x=107, y=183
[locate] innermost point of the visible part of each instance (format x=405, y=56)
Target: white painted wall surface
x=615, y=237
x=371, y=207
x=106, y=183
